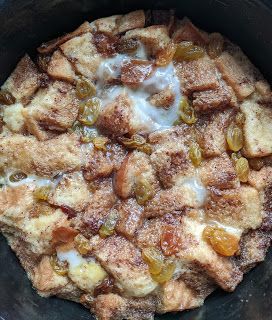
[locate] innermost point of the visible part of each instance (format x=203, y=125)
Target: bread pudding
x=136, y=165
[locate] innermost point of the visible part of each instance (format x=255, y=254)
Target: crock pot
x=27, y=23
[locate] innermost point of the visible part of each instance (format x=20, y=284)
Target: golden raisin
x=165, y=56
x=215, y=46
x=143, y=191
x=221, y=241
x=60, y=267
x=76, y=128
x=136, y=142
x=42, y=193
x=170, y=241
x=242, y=169
x=195, y=154
x=84, y=89
x=82, y=244
x=186, y=111
x=89, y=111
x=6, y=97
x=17, y=176
x=234, y=138
x=235, y=156
x=154, y=258
x=100, y=143
x=187, y=51
x=166, y=272
x=107, y=229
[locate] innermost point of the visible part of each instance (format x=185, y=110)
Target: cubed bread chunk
x=46, y=280
x=82, y=52
x=36, y=231
x=131, y=20
x=13, y=117
x=114, y=307
x=71, y=191
x=239, y=208
x=24, y=80
x=108, y=25
x=163, y=99
x=124, y=262
x=116, y=117
x=219, y=172
x=130, y=218
x=197, y=75
x=221, y=97
x=120, y=23
x=60, y=68
x=53, y=44
x=100, y=164
x=253, y=247
x=210, y=132
x=186, y=31
x=52, y=109
x=135, y=166
x=174, y=295
x=54, y=156
x=101, y=202
x=257, y=129
x=235, y=75
x=155, y=38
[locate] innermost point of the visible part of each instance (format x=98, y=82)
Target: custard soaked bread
x=136, y=165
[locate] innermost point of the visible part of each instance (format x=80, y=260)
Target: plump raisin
x=154, y=259
x=242, y=169
x=187, y=51
x=84, y=89
x=100, y=143
x=166, y=272
x=89, y=111
x=82, y=244
x=186, y=111
x=195, y=154
x=60, y=267
x=221, y=241
x=235, y=156
x=143, y=191
x=108, y=227
x=234, y=138
x=136, y=142
x=170, y=241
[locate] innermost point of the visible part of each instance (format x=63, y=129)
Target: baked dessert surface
x=136, y=165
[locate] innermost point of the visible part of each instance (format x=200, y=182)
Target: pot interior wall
x=24, y=25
